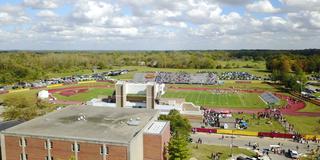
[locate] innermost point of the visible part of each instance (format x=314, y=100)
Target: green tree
x=178, y=148
x=275, y=75
x=24, y=108
x=178, y=124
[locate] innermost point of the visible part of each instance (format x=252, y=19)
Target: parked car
x=293, y=154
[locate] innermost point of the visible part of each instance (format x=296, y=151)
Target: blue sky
x=159, y=24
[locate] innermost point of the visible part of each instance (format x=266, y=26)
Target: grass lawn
x=228, y=100
x=305, y=125
x=86, y=96
x=310, y=108
x=204, y=151
x=260, y=125
x=32, y=94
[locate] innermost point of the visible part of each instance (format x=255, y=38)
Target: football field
x=218, y=100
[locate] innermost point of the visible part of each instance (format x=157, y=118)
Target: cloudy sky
x=159, y=24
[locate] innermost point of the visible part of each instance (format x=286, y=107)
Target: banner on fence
x=83, y=82
x=55, y=85
x=19, y=90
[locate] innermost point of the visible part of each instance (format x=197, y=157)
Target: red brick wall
x=117, y=153
x=36, y=149
x=13, y=149
x=61, y=149
x=151, y=147
x=89, y=152
x=165, y=139
x=154, y=145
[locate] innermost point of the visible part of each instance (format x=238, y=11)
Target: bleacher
x=177, y=78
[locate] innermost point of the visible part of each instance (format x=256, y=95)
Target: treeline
x=290, y=70
x=291, y=62
x=17, y=66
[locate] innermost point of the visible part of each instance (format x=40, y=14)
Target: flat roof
x=156, y=127
x=88, y=123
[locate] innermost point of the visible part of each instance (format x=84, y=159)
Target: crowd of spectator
x=211, y=118
x=186, y=78
x=238, y=76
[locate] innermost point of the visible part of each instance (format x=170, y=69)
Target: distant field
x=86, y=96
x=32, y=94
x=226, y=100
x=305, y=125
x=259, y=70
x=260, y=125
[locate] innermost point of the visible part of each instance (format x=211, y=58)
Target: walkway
x=264, y=143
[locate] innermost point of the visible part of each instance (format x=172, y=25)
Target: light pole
x=231, y=145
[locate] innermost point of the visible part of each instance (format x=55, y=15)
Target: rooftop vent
x=133, y=122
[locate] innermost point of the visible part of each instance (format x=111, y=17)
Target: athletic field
x=218, y=100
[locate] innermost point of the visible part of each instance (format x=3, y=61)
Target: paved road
x=1, y=111
x=243, y=141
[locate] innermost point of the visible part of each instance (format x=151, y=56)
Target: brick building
x=88, y=133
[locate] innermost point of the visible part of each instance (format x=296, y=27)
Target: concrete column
x=150, y=94
x=121, y=95
x=3, y=147
x=24, y=147
x=76, y=150
x=104, y=155
x=49, y=148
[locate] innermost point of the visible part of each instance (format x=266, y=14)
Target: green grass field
x=32, y=94
x=227, y=100
x=260, y=125
x=310, y=108
x=305, y=125
x=86, y=96
x=204, y=151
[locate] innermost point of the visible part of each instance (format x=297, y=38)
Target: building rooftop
x=156, y=127
x=88, y=123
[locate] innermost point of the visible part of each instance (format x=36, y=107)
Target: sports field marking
x=242, y=102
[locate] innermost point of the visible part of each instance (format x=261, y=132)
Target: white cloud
x=46, y=14
x=178, y=24
x=262, y=6
x=305, y=20
x=41, y=4
x=302, y=4
x=97, y=12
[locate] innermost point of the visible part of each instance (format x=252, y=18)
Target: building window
x=104, y=150
x=48, y=145
x=23, y=157
x=47, y=158
x=22, y=142
x=73, y=147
